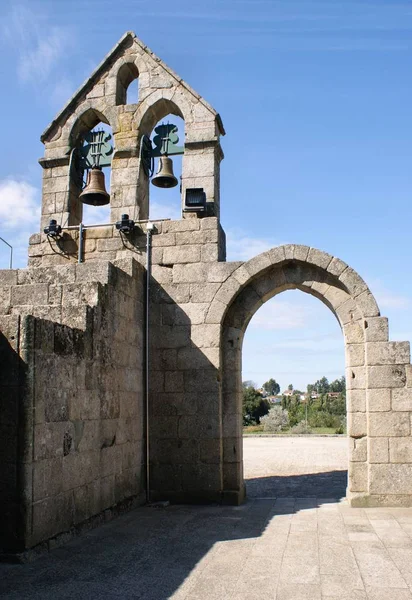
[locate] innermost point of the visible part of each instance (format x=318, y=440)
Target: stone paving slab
x=274, y=548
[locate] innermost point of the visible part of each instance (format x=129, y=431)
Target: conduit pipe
x=149, y=230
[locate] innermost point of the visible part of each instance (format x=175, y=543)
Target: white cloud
x=240, y=246
x=39, y=58
x=62, y=91
x=387, y=298
x=164, y=211
x=19, y=204
x=19, y=217
x=280, y=314
x=93, y=215
x=39, y=47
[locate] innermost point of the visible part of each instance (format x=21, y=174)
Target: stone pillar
x=201, y=169
x=60, y=199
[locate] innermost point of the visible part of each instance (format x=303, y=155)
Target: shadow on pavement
x=149, y=553
x=331, y=484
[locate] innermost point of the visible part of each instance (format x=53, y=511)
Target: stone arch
x=373, y=365
x=85, y=121
x=155, y=108
x=127, y=73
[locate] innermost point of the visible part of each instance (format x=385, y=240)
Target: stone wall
x=72, y=397
x=174, y=242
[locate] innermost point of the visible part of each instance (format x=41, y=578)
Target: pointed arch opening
x=163, y=203
x=82, y=161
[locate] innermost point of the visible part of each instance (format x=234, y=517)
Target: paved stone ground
x=277, y=548
x=299, y=467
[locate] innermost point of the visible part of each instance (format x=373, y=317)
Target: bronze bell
x=94, y=192
x=165, y=177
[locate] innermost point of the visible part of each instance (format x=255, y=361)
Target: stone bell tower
x=103, y=99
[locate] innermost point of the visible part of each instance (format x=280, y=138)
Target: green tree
x=254, y=406
x=290, y=387
x=249, y=383
x=271, y=387
x=322, y=386
x=339, y=385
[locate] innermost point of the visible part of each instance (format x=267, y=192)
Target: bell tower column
x=201, y=169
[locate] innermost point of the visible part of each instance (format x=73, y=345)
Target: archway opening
x=294, y=400
x=127, y=85
x=165, y=203
x=92, y=145
x=100, y=214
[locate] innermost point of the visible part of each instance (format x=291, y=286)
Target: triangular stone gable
x=119, y=51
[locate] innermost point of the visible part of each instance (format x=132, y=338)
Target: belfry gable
x=129, y=59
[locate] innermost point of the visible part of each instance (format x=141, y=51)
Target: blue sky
x=316, y=101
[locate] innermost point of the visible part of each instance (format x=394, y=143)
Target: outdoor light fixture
x=53, y=230
x=126, y=225
x=195, y=200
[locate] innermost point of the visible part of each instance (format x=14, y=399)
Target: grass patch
x=256, y=429
x=253, y=429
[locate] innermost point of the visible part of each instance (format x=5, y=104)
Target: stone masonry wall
x=75, y=407
x=185, y=241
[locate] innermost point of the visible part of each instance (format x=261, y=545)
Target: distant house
x=287, y=393
x=273, y=399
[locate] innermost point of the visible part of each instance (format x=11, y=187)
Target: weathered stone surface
x=400, y=450
x=358, y=449
x=356, y=378
x=355, y=355
x=174, y=255
x=357, y=424
x=376, y=329
x=319, y=258
x=389, y=424
x=219, y=272
x=29, y=294
x=358, y=477
x=386, y=376
x=179, y=226
x=206, y=336
x=388, y=353
x=366, y=303
x=354, y=284
x=379, y=400
x=390, y=479
x=402, y=399
x=378, y=449
x=354, y=333
x=336, y=266
x=203, y=292
x=356, y=400
x=190, y=273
